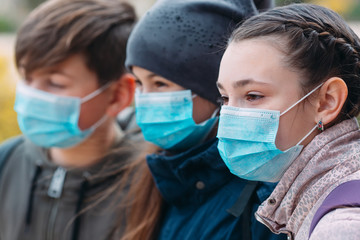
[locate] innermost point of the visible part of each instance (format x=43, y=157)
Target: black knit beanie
x=184, y=40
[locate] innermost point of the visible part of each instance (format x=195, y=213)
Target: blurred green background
x=13, y=12
x=349, y=9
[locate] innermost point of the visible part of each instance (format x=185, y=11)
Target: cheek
x=290, y=131
x=293, y=126
x=92, y=111
x=202, y=109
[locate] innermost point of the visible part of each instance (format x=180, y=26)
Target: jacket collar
x=318, y=167
x=109, y=166
x=191, y=176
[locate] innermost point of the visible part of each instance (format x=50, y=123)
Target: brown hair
x=315, y=41
x=143, y=202
x=57, y=29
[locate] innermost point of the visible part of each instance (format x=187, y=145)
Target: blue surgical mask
x=247, y=142
x=166, y=120
x=50, y=120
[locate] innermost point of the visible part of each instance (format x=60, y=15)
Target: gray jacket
x=41, y=201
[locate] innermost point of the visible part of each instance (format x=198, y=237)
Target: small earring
x=320, y=126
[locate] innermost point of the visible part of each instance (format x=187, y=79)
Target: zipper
x=52, y=219
x=54, y=192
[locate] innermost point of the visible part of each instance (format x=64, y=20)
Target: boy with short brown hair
x=62, y=179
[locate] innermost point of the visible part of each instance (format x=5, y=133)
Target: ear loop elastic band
x=92, y=95
x=95, y=93
x=301, y=99
x=307, y=135
x=194, y=95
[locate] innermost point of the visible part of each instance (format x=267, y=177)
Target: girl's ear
x=332, y=97
x=123, y=94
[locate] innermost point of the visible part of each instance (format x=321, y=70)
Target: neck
x=89, y=152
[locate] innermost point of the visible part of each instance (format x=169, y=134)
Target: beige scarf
x=331, y=158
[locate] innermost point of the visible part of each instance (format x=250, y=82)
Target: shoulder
x=11, y=142
x=342, y=223
x=18, y=154
x=8, y=147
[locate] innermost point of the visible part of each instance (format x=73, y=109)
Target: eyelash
x=253, y=97
x=48, y=83
x=55, y=85
x=160, y=84
x=223, y=100
x=157, y=83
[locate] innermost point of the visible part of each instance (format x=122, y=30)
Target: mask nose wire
x=301, y=99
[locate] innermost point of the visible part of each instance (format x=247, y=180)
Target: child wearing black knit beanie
x=174, y=52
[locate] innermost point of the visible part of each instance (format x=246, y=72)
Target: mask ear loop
x=215, y=112
x=95, y=93
x=301, y=99
x=212, y=116
x=98, y=123
x=92, y=95
x=194, y=95
x=307, y=135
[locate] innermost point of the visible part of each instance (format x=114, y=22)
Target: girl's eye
x=159, y=84
x=253, y=97
x=223, y=100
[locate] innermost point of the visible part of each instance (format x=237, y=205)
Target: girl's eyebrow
x=242, y=83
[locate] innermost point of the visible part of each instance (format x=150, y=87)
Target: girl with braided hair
x=290, y=85
x=185, y=191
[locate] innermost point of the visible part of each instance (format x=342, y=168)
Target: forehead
x=31, y=62
x=259, y=55
x=145, y=75
x=255, y=59
x=75, y=63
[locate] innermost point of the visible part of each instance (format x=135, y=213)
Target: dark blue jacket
x=203, y=197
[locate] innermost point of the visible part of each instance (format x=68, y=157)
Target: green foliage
x=349, y=9
x=8, y=122
x=354, y=13
x=6, y=25
x=34, y=3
